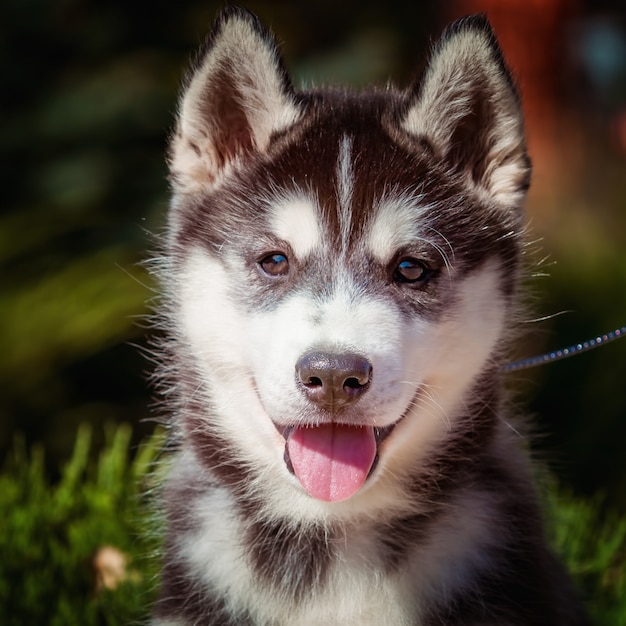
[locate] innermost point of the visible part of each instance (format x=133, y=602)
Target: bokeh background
x=87, y=98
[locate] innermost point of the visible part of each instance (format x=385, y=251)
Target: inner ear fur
x=236, y=97
x=467, y=109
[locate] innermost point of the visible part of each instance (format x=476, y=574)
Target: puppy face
x=344, y=263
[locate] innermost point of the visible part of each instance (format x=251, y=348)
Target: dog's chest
x=286, y=580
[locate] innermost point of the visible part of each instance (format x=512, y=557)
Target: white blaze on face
x=452, y=355
x=214, y=334
x=346, y=319
x=345, y=186
x=401, y=220
x=295, y=219
x=394, y=225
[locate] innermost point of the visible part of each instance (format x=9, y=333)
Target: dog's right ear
x=237, y=96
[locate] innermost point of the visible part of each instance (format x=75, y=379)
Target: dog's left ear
x=467, y=109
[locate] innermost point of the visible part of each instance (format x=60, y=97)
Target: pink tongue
x=332, y=461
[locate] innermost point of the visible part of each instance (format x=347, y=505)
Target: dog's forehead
x=392, y=223
x=342, y=204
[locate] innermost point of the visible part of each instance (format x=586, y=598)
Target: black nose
x=333, y=380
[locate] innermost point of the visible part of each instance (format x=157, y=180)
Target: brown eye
x=411, y=270
x=275, y=264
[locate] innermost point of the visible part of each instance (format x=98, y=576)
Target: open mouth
x=332, y=461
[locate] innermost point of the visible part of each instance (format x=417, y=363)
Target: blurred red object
x=532, y=34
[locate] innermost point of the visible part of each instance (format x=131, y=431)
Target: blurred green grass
x=56, y=538
x=60, y=540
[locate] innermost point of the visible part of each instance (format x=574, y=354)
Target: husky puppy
x=340, y=276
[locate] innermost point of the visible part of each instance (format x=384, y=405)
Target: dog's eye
x=275, y=264
x=411, y=270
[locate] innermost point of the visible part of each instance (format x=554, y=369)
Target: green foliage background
x=51, y=532
x=89, y=91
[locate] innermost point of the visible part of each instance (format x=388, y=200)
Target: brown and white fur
x=342, y=268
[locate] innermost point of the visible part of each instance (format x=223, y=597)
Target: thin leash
x=564, y=353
